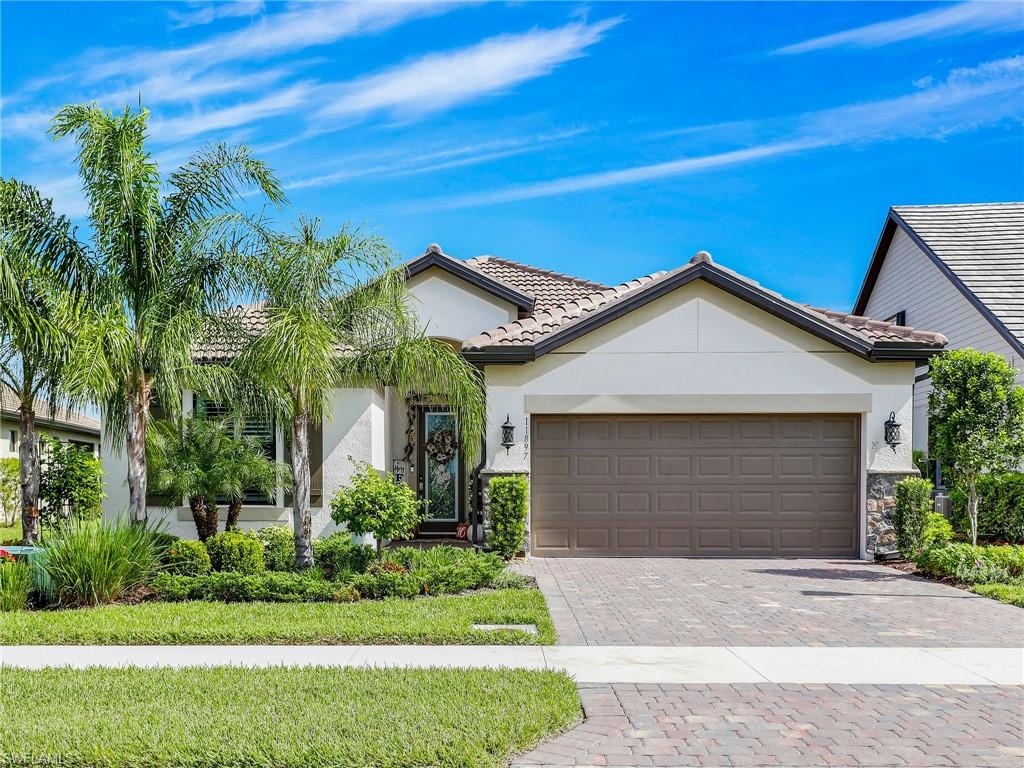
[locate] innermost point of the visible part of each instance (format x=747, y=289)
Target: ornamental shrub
x=387, y=584
x=15, y=583
x=449, y=570
x=377, y=504
x=938, y=531
x=338, y=555
x=278, y=547
x=1000, y=507
x=187, y=557
x=968, y=563
x=913, y=503
x=234, y=551
x=507, y=514
x=70, y=483
x=509, y=579
x=233, y=587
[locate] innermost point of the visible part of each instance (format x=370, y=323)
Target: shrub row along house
x=687, y=412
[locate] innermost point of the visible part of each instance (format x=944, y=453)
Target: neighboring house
x=63, y=424
x=689, y=412
x=957, y=269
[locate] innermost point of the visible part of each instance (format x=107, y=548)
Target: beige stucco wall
x=450, y=308
x=11, y=423
x=700, y=350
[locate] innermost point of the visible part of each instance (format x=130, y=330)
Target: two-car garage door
x=707, y=485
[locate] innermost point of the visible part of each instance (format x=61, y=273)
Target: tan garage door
x=694, y=485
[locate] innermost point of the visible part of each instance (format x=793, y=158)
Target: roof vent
x=701, y=257
x=434, y=248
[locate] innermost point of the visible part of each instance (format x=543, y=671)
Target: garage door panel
x=695, y=485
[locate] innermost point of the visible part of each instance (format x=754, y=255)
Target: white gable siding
x=909, y=281
x=451, y=308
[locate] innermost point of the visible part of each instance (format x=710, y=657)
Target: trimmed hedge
x=1000, y=507
x=237, y=552
x=278, y=547
x=187, y=557
x=274, y=587
x=913, y=503
x=507, y=514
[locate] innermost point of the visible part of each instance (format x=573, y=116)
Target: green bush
x=70, y=483
x=377, y=504
x=387, y=584
x=973, y=564
x=273, y=586
x=238, y=552
x=1005, y=593
x=937, y=531
x=1000, y=507
x=913, y=503
x=448, y=570
x=187, y=557
x=338, y=555
x=509, y=579
x=278, y=547
x=507, y=514
x=100, y=561
x=15, y=585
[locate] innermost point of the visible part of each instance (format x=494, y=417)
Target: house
x=957, y=269
x=65, y=425
x=688, y=412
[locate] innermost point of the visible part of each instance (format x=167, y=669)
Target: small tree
x=71, y=483
x=377, y=504
x=10, y=490
x=976, y=415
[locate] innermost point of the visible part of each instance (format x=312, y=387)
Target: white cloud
x=207, y=13
x=945, y=21
x=443, y=80
x=969, y=98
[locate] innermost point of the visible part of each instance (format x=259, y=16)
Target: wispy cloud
x=443, y=80
x=207, y=13
x=968, y=99
x=946, y=21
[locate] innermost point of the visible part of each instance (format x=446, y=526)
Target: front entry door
x=440, y=481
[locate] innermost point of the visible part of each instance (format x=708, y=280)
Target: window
x=12, y=440
x=262, y=429
x=82, y=445
x=900, y=318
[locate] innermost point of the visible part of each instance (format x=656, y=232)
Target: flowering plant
x=6, y=556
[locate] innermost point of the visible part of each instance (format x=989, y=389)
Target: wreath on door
x=441, y=446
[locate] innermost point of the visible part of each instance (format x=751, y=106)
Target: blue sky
x=606, y=140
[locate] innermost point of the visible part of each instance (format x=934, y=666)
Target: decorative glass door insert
x=441, y=449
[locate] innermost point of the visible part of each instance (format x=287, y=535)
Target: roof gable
x=979, y=248
x=531, y=337
x=435, y=257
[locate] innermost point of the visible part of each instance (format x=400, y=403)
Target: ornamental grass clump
x=99, y=562
x=15, y=583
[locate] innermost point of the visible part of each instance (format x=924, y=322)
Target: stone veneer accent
x=881, y=507
x=485, y=485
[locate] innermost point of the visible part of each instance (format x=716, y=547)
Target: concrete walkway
x=586, y=664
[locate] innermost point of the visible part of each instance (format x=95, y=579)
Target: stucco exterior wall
x=701, y=350
x=11, y=423
x=910, y=282
x=448, y=307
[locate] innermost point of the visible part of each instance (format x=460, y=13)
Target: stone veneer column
x=881, y=507
x=485, y=485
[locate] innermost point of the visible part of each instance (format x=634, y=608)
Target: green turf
x=10, y=533
x=1005, y=593
x=282, y=717
x=427, y=620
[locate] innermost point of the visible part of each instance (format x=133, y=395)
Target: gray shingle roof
x=46, y=414
x=983, y=245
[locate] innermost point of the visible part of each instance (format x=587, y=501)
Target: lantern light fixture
x=892, y=431
x=508, y=433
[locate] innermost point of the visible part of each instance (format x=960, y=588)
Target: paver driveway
x=694, y=602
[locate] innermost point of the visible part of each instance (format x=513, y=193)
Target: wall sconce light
x=892, y=431
x=398, y=470
x=508, y=433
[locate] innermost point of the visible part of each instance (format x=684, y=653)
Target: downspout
x=477, y=489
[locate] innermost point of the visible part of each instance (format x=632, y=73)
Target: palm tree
x=39, y=264
x=164, y=270
x=335, y=315
x=203, y=461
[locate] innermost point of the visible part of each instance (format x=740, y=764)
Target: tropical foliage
x=377, y=504
x=71, y=483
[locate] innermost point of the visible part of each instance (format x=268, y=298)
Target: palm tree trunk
x=28, y=457
x=301, y=518
x=234, y=512
x=136, y=445
x=198, y=508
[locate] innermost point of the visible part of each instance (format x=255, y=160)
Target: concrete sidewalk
x=586, y=664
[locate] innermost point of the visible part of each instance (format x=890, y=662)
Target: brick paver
x=693, y=602
x=791, y=725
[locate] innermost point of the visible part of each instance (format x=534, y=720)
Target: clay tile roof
x=252, y=319
x=45, y=414
x=548, y=288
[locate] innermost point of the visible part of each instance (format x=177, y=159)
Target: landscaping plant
x=71, y=483
x=938, y=531
x=913, y=505
x=187, y=557
x=10, y=492
x=970, y=563
x=89, y=563
x=15, y=583
x=235, y=551
x=337, y=314
x=337, y=554
x=278, y=547
x=506, y=516
x=376, y=503
x=976, y=417
x=1000, y=506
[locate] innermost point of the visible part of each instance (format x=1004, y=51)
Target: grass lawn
x=432, y=620
x=282, y=717
x=1004, y=593
x=7, y=533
